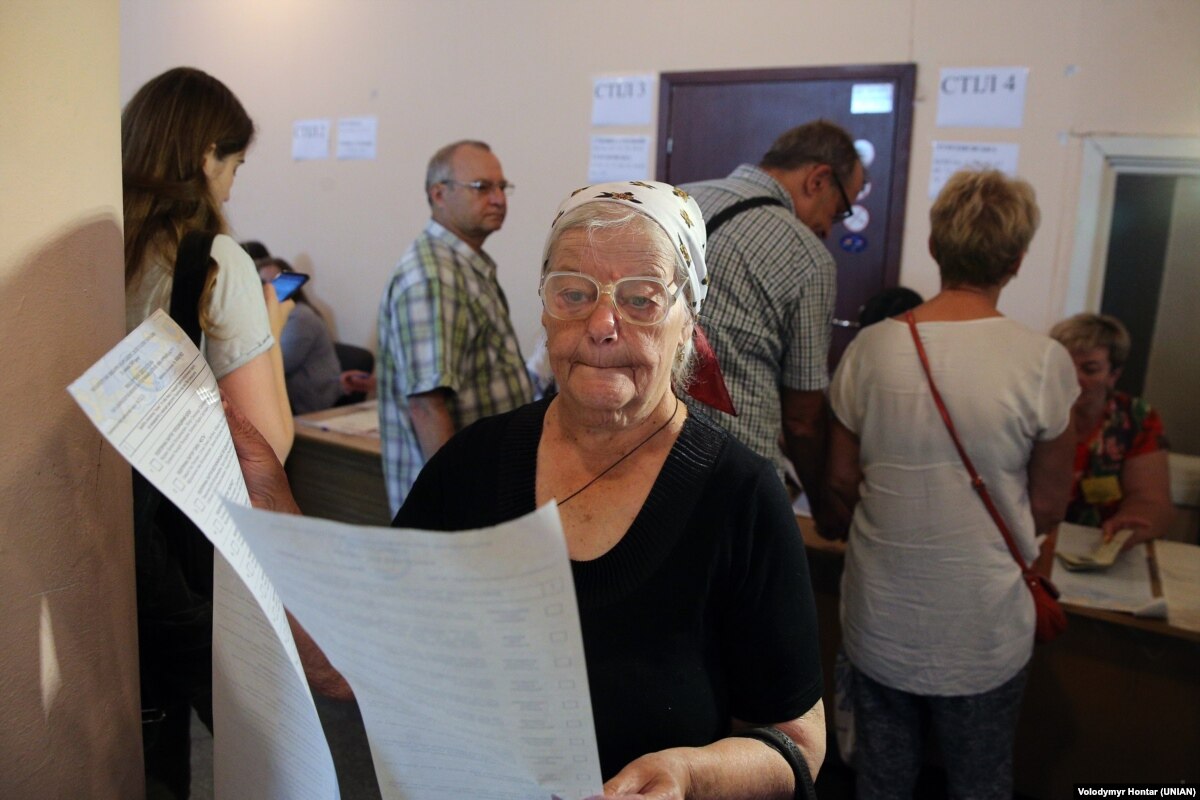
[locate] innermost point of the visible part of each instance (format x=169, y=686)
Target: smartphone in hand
x=286, y=284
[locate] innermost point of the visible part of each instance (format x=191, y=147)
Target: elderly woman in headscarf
x=693, y=589
x=698, y=620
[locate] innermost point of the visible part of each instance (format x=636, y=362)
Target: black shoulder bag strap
x=728, y=213
x=191, y=271
x=173, y=558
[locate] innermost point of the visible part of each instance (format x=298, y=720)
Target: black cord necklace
x=613, y=465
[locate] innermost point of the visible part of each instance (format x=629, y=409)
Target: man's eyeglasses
x=483, y=187
x=638, y=300
x=846, y=204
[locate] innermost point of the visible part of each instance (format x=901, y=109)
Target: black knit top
x=701, y=613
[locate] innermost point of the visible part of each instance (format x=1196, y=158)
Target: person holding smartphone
x=310, y=363
x=184, y=135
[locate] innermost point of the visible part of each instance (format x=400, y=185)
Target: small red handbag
x=1051, y=619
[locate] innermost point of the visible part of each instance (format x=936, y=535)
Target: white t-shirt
x=239, y=314
x=932, y=601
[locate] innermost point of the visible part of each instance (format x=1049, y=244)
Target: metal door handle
x=844, y=323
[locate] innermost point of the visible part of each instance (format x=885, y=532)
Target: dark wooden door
x=710, y=122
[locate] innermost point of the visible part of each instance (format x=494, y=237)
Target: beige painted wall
x=68, y=659
x=518, y=74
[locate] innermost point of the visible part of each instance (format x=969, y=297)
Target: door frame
x=1105, y=158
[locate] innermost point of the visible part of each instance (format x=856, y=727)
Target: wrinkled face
x=220, y=172
x=1096, y=376
x=468, y=212
x=610, y=368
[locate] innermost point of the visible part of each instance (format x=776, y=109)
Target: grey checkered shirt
x=769, y=306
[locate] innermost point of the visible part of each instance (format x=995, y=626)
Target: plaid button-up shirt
x=443, y=324
x=769, y=306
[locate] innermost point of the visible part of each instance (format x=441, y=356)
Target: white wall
x=518, y=74
x=68, y=650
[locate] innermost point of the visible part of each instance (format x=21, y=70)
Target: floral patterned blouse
x=1129, y=427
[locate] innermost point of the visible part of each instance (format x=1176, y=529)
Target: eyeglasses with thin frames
x=637, y=300
x=483, y=187
x=849, y=207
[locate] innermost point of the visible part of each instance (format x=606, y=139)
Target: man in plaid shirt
x=769, y=309
x=447, y=351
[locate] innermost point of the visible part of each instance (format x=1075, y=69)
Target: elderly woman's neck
x=603, y=433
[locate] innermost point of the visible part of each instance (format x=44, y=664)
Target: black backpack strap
x=191, y=270
x=725, y=214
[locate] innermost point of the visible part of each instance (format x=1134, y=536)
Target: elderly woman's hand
x=265, y=479
x=664, y=775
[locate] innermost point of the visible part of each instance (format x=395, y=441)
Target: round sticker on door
x=866, y=152
x=853, y=242
x=858, y=221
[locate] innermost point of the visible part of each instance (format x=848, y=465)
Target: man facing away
x=768, y=318
x=447, y=352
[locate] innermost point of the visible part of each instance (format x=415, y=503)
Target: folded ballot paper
x=1099, y=554
x=1089, y=572
x=464, y=651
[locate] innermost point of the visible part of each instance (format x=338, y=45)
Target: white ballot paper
x=464, y=650
x=156, y=401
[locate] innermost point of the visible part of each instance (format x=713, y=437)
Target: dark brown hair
x=166, y=129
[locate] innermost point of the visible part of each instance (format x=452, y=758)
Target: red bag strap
x=976, y=482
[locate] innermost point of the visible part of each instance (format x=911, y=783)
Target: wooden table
x=335, y=475
x=1114, y=699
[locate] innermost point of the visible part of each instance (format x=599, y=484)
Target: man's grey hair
x=819, y=142
x=439, y=169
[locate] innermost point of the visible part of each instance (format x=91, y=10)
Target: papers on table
x=1125, y=586
x=1101, y=556
x=363, y=420
x=464, y=650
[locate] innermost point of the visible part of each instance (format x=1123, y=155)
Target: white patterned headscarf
x=678, y=215
x=672, y=209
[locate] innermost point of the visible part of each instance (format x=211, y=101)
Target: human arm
x=1050, y=471
x=322, y=676
x=430, y=416
x=254, y=389
x=1145, y=499
x=845, y=475
x=805, y=441
x=277, y=315
x=728, y=769
x=267, y=486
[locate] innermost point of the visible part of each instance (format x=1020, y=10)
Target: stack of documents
x=1126, y=585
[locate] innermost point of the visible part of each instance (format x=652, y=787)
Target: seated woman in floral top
x=1121, y=475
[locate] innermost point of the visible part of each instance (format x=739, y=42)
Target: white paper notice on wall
x=950, y=157
x=871, y=98
x=310, y=139
x=619, y=158
x=627, y=100
x=356, y=138
x=983, y=97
